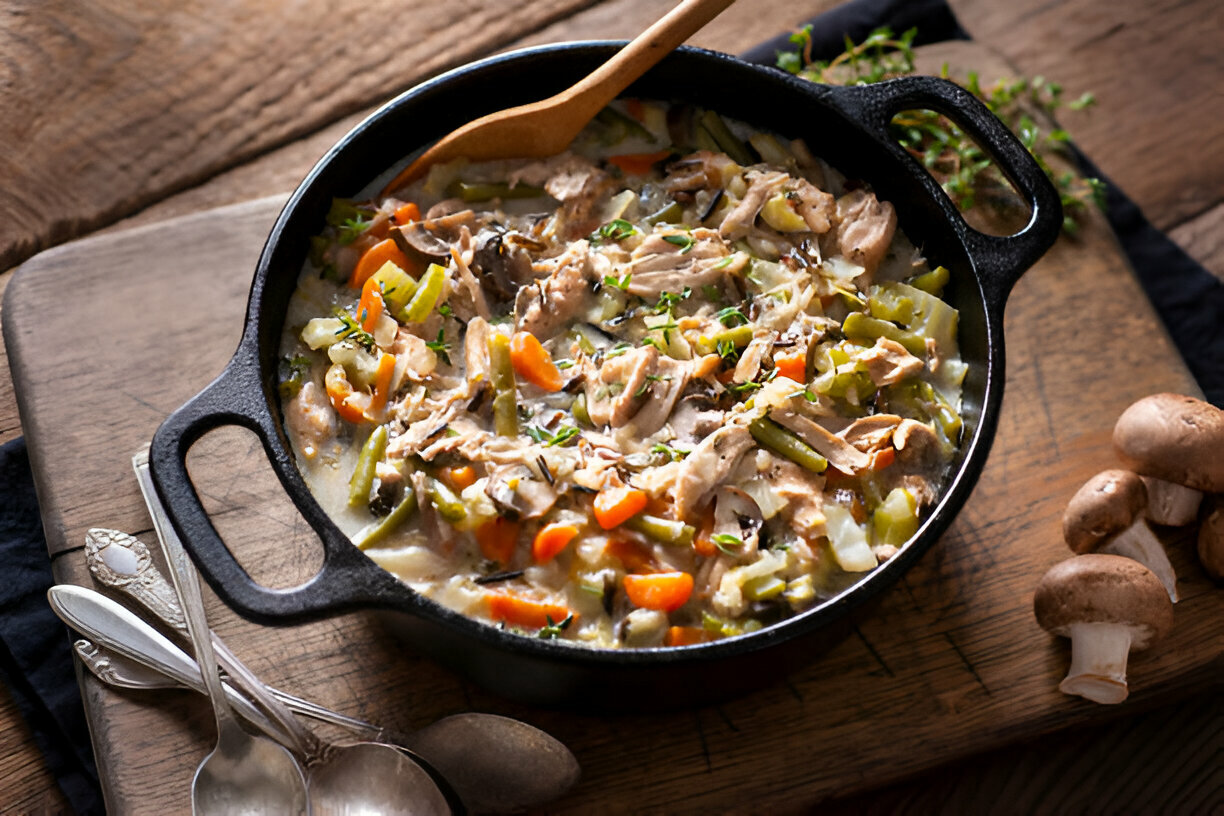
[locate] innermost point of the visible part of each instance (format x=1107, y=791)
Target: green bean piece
x=429, y=289
x=484, y=191
x=505, y=401
x=363, y=475
x=727, y=141
x=665, y=531
x=579, y=409
x=932, y=282
x=859, y=326
x=671, y=214
x=770, y=434
x=449, y=506
x=373, y=533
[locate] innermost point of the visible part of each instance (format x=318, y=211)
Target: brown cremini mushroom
x=1175, y=438
x=1171, y=504
x=1108, y=606
x=1211, y=539
x=1106, y=515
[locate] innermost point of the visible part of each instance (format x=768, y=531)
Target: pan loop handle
x=347, y=578
x=999, y=260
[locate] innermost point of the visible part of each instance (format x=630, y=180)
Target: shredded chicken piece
x=888, y=362
x=865, y=228
x=708, y=465
x=669, y=259
x=814, y=205
x=840, y=453
x=617, y=389
x=749, y=364
x=870, y=433
x=310, y=417
x=546, y=306
x=762, y=186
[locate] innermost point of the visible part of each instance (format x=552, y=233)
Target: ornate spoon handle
x=122, y=562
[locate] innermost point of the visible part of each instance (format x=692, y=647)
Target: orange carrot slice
x=533, y=363
x=373, y=259
x=525, y=612
x=638, y=164
x=616, y=505
x=551, y=540
x=661, y=591
x=498, y=539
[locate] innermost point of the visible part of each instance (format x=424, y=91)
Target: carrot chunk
x=551, y=540
x=792, y=367
x=631, y=554
x=616, y=505
x=407, y=213
x=524, y=612
x=661, y=591
x=686, y=636
x=497, y=539
x=373, y=259
x=533, y=363
x=461, y=477
x=371, y=306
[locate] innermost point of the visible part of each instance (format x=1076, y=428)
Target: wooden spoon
x=547, y=127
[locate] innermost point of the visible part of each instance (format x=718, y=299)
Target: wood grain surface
x=1145, y=62
x=950, y=664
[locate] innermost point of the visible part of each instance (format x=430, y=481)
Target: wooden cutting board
x=108, y=335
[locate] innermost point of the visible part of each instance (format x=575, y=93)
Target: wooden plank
x=1146, y=70
x=950, y=663
x=206, y=88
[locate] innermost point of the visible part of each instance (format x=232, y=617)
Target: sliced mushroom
x=1108, y=606
x=518, y=494
x=1211, y=539
x=737, y=515
x=1106, y=515
x=1175, y=438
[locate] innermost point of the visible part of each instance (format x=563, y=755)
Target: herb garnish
x=564, y=435
x=685, y=242
x=350, y=329
x=651, y=379
x=725, y=542
x=732, y=317
x=617, y=229
x=672, y=454
x=553, y=630
x=440, y=347
x=621, y=283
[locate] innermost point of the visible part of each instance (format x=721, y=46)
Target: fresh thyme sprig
x=954, y=158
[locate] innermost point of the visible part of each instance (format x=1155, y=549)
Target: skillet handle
x=999, y=260
x=347, y=578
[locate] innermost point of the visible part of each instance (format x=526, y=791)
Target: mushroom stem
x=1098, y=662
x=1138, y=543
x=1171, y=504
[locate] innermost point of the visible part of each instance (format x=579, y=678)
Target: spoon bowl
x=366, y=777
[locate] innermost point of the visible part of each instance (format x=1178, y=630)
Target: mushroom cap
x=1175, y=438
x=1211, y=539
x=1097, y=588
x=1106, y=505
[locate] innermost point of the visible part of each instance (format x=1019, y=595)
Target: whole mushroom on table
x=1105, y=598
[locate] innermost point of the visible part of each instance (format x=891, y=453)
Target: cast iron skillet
x=845, y=126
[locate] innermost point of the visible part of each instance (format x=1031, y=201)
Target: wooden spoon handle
x=607, y=81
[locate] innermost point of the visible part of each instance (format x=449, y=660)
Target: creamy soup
x=675, y=384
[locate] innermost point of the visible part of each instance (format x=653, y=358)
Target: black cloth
x=35, y=654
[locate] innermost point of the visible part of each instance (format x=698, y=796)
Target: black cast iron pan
x=846, y=126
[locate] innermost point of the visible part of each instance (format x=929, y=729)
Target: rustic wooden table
x=121, y=114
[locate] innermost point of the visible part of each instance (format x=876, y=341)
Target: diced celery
x=848, y=539
x=931, y=282
x=764, y=588
x=429, y=289
x=770, y=149
x=896, y=519
x=396, y=285
x=322, y=332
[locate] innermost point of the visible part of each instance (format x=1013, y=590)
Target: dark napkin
x=35, y=650
x=35, y=656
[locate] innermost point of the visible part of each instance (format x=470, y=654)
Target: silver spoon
x=244, y=774
x=343, y=777
x=495, y=764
